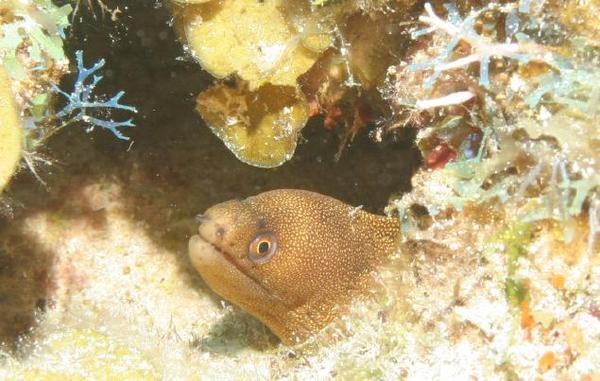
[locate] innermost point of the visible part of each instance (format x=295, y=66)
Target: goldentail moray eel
x=291, y=258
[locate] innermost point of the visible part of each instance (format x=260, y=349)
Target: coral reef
x=512, y=146
x=498, y=273
x=506, y=103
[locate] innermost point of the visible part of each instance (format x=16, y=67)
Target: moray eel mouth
x=209, y=260
x=204, y=253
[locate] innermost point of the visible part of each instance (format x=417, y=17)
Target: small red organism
x=558, y=281
x=595, y=311
x=546, y=362
x=527, y=321
x=334, y=113
x=314, y=108
x=441, y=155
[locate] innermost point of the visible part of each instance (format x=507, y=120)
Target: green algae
x=516, y=291
x=90, y=354
x=289, y=43
x=32, y=56
x=38, y=24
x=514, y=239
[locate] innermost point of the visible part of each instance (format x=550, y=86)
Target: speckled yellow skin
x=326, y=251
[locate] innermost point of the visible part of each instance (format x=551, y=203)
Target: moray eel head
x=291, y=258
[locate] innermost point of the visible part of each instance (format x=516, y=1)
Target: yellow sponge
x=10, y=131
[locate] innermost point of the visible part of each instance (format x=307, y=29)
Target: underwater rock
x=94, y=355
x=10, y=131
x=260, y=127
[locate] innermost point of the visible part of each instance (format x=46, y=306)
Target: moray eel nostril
x=291, y=258
x=200, y=218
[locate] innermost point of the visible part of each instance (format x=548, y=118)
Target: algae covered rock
x=260, y=127
x=93, y=355
x=256, y=40
x=10, y=131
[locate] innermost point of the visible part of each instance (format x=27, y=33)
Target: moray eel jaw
x=213, y=262
x=221, y=273
x=227, y=277
x=205, y=256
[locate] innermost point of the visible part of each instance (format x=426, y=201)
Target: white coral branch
x=483, y=49
x=451, y=99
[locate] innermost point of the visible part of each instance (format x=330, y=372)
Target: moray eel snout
x=291, y=258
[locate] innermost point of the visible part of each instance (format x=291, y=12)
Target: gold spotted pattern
x=325, y=252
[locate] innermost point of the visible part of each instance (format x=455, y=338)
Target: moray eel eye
x=262, y=248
